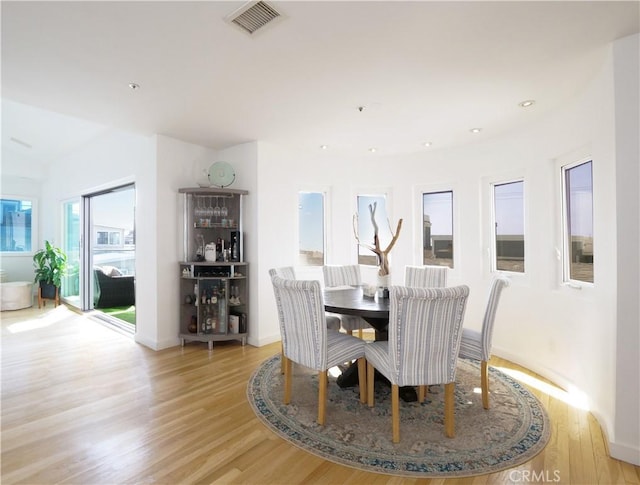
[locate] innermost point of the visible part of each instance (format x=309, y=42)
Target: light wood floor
x=84, y=404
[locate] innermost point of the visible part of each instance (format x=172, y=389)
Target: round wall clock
x=221, y=174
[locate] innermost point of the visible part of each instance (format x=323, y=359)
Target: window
x=508, y=212
x=437, y=228
x=103, y=237
x=114, y=237
x=577, y=192
x=16, y=231
x=311, y=229
x=366, y=230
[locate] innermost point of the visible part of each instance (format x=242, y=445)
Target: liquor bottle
x=234, y=247
x=222, y=312
x=205, y=314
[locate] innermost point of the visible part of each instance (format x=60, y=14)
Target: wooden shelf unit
x=214, y=294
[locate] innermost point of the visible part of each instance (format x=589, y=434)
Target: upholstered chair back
x=478, y=345
x=348, y=275
x=302, y=321
x=286, y=272
x=426, y=276
x=306, y=341
x=425, y=328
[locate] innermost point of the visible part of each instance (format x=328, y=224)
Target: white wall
x=244, y=159
x=566, y=334
x=179, y=165
x=627, y=385
x=112, y=159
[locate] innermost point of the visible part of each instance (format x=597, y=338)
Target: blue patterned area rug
x=511, y=432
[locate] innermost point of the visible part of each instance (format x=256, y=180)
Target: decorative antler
x=381, y=255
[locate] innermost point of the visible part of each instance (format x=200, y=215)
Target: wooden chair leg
x=395, y=412
x=422, y=393
x=362, y=379
x=449, y=405
x=287, y=380
x=360, y=333
x=370, y=375
x=349, y=332
x=484, y=378
x=322, y=396
x=282, y=359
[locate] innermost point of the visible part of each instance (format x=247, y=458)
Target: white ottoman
x=16, y=295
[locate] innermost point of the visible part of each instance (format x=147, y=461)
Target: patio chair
x=112, y=290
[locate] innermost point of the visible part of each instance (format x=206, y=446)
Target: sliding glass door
x=99, y=240
x=109, y=253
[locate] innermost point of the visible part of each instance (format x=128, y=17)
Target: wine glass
x=224, y=212
x=197, y=211
x=209, y=212
x=216, y=210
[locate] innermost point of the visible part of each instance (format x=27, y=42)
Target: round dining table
x=348, y=300
x=375, y=311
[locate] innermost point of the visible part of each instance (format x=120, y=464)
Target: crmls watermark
x=542, y=476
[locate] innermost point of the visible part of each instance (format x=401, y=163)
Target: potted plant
x=50, y=264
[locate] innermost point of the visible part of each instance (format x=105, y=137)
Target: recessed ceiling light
x=427, y=144
x=475, y=130
x=527, y=103
x=372, y=149
x=134, y=86
x=323, y=147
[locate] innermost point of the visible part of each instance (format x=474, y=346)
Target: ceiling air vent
x=253, y=16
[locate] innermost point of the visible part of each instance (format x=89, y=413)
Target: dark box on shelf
x=212, y=271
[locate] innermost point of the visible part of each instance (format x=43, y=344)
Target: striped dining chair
x=307, y=341
x=425, y=329
x=477, y=344
x=429, y=276
x=346, y=275
x=289, y=273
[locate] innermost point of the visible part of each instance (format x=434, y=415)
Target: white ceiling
x=425, y=71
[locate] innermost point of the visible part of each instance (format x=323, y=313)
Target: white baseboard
x=545, y=372
x=619, y=451
x=624, y=452
x=157, y=345
x=264, y=340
